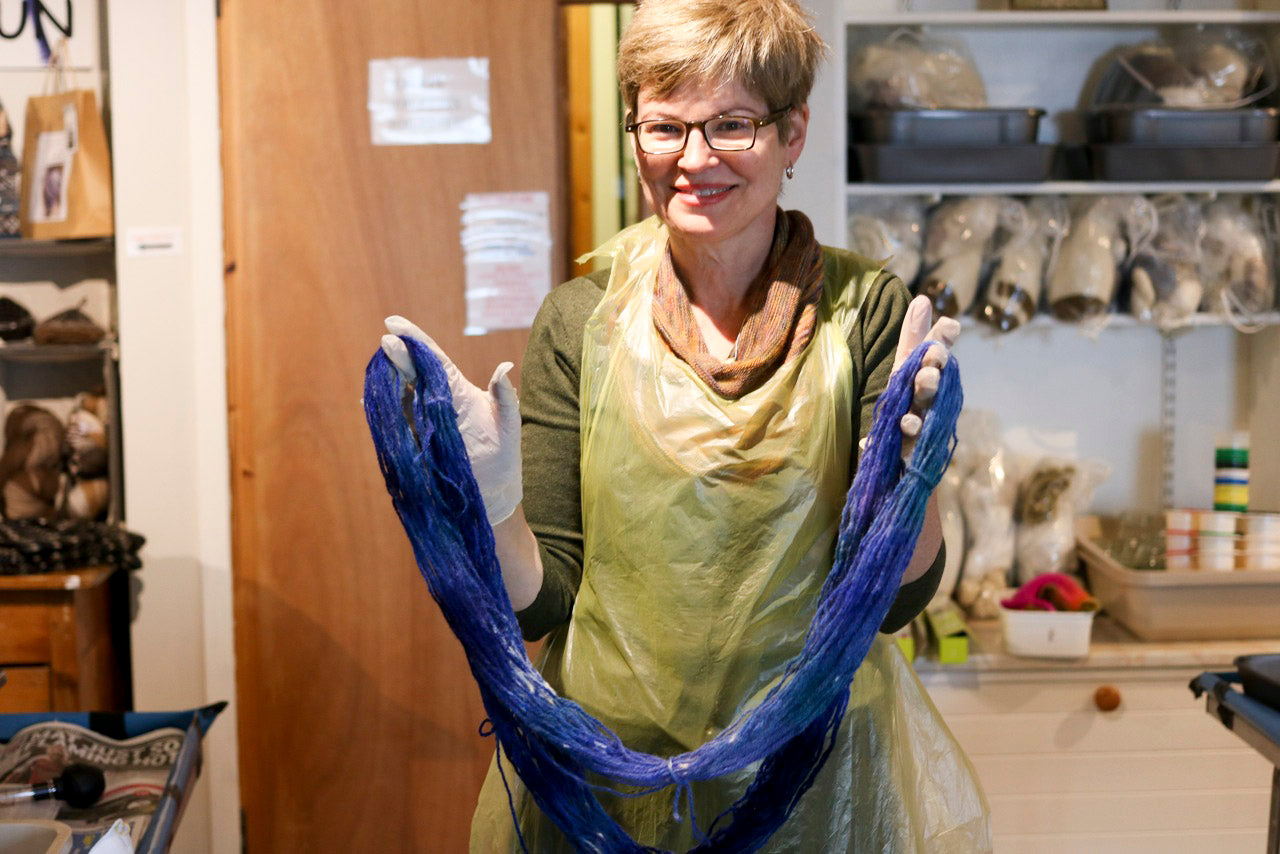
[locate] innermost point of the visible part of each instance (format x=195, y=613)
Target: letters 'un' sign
x=28, y=28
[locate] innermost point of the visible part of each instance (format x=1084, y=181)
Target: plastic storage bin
x=33, y=836
x=948, y=146
x=947, y=127
x=1246, y=161
x=1161, y=605
x=1047, y=634
x=949, y=164
x=1168, y=126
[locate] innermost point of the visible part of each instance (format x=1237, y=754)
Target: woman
x=690, y=423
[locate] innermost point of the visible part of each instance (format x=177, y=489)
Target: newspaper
x=135, y=771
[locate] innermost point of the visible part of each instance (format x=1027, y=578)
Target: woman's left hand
x=916, y=328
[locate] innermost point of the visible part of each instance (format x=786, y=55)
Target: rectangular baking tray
x=1248, y=161
x=1159, y=605
x=991, y=126
x=1168, y=126
x=911, y=164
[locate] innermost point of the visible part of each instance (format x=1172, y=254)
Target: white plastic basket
x=1047, y=634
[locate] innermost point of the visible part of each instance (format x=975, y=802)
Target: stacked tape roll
x=1231, y=473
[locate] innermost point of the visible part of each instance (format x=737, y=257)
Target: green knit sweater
x=551, y=442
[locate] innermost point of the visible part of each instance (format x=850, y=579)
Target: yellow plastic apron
x=709, y=527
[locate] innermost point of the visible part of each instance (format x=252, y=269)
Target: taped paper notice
x=506, y=246
x=429, y=101
x=158, y=240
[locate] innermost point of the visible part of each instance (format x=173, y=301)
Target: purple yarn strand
x=554, y=745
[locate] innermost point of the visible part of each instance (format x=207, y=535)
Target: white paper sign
x=429, y=101
x=153, y=240
x=506, y=245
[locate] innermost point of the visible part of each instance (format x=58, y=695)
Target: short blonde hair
x=768, y=46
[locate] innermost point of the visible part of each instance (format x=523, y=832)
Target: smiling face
x=712, y=196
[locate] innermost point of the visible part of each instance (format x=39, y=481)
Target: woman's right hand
x=915, y=329
x=489, y=420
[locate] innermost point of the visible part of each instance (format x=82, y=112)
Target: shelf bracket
x=1168, y=414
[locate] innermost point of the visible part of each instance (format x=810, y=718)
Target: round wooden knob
x=1107, y=698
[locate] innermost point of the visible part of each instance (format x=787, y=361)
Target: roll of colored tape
x=1231, y=496
x=1231, y=457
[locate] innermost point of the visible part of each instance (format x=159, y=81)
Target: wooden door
x=358, y=717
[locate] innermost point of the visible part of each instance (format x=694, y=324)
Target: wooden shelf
x=854, y=16
x=1115, y=320
x=20, y=247
x=76, y=579
x=1065, y=188
x=55, y=353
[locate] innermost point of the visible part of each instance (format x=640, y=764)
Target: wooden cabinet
x=56, y=643
x=1154, y=774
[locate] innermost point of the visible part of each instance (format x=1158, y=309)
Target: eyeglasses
x=722, y=133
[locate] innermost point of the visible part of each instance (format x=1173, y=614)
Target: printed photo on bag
x=52, y=176
x=71, y=124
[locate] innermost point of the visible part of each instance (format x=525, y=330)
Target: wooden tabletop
x=72, y=580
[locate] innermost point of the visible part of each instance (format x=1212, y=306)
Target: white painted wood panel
x=1089, y=731
x=1177, y=842
x=1157, y=774
x=1069, y=691
x=1082, y=773
x=1239, y=809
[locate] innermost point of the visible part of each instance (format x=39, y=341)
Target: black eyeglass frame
x=756, y=124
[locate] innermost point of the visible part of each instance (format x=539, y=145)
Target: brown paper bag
x=66, y=168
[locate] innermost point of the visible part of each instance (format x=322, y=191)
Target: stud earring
x=790, y=172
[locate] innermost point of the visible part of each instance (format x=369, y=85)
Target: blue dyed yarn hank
x=552, y=743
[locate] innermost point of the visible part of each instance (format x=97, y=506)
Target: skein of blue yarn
x=560, y=751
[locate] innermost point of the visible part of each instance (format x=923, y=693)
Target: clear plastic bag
x=899, y=781
x=890, y=229
x=911, y=70
x=961, y=235
x=1084, y=274
x=1164, y=276
x=1218, y=67
x=1013, y=290
x=1235, y=262
x=1051, y=493
x=987, y=492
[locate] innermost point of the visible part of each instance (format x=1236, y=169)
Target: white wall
x=1108, y=393
x=165, y=139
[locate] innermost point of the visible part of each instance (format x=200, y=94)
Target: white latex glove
x=489, y=420
x=117, y=840
x=915, y=329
